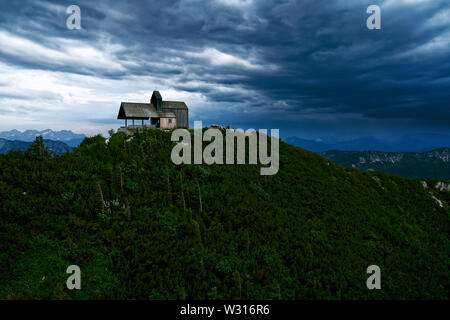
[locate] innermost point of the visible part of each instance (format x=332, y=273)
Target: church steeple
x=156, y=100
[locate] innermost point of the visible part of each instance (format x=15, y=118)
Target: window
x=170, y=120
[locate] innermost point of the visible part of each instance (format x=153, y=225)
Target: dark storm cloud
x=304, y=62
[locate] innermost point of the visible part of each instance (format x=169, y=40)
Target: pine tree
x=182, y=195
x=38, y=148
x=100, y=199
x=199, y=196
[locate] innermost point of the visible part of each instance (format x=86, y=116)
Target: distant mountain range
x=407, y=143
x=311, y=145
x=431, y=164
x=57, y=147
x=68, y=137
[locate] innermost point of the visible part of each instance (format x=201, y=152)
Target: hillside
x=431, y=164
x=140, y=227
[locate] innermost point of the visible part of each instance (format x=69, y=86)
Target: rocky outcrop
x=442, y=186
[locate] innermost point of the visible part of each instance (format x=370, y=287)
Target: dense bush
x=141, y=227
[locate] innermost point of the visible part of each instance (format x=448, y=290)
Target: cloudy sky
x=310, y=68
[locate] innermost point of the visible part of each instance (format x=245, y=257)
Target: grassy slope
x=308, y=232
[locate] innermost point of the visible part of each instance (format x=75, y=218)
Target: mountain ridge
x=56, y=147
x=66, y=136
x=430, y=164
x=406, y=143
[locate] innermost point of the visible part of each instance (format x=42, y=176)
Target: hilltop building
x=159, y=114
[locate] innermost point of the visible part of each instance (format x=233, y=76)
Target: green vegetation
x=140, y=227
